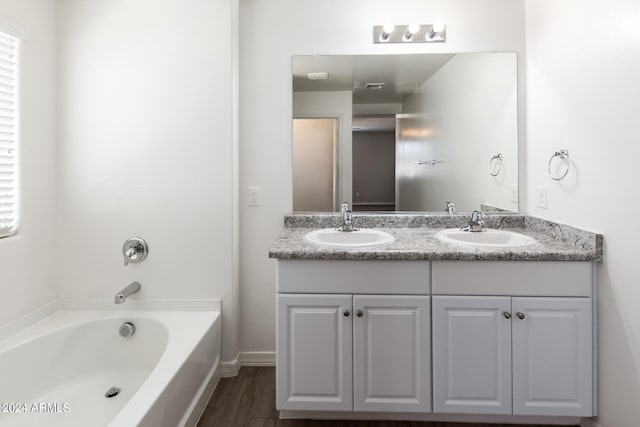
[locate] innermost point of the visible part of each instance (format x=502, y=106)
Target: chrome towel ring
x=495, y=165
x=563, y=156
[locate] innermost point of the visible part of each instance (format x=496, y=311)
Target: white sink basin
x=487, y=238
x=330, y=237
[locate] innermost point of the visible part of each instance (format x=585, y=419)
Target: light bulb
x=387, y=29
x=414, y=27
x=438, y=27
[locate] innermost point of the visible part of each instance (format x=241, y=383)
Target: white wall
x=338, y=105
x=583, y=93
x=145, y=149
x=468, y=112
x=26, y=260
x=271, y=32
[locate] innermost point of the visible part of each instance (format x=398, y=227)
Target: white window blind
x=8, y=136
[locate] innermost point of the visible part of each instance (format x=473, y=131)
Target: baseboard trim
x=230, y=368
x=589, y=422
x=432, y=417
x=258, y=358
x=247, y=358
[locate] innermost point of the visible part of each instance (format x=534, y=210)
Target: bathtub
x=56, y=371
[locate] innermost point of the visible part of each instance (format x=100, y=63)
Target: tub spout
x=129, y=290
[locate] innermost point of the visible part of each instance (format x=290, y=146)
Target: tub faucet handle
x=134, y=249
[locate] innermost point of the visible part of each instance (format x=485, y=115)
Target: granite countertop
x=415, y=239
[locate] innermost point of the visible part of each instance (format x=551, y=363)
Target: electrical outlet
x=254, y=196
x=514, y=193
x=542, y=197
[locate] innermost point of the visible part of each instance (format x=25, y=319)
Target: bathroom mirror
x=406, y=132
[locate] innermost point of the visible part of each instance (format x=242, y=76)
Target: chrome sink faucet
x=347, y=219
x=451, y=208
x=476, y=223
x=129, y=290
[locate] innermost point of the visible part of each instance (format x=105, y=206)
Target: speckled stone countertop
x=415, y=239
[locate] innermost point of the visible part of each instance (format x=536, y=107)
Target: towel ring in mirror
x=495, y=164
x=562, y=156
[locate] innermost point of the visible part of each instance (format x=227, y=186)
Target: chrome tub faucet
x=126, y=292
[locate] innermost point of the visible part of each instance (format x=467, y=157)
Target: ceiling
x=402, y=74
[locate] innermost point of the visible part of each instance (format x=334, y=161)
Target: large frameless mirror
x=405, y=132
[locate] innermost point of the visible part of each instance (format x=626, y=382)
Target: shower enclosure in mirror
x=405, y=132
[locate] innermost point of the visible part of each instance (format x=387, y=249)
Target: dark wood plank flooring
x=249, y=400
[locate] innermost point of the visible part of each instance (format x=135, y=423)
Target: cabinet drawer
x=515, y=278
x=353, y=277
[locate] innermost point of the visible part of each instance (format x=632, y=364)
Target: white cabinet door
x=391, y=353
x=471, y=355
x=314, y=364
x=552, y=356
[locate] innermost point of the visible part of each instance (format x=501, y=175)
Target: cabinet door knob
x=507, y=315
x=359, y=313
x=520, y=315
x=346, y=313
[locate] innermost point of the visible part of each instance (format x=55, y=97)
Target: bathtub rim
x=13, y=327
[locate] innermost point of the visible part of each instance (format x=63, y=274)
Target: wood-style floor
x=249, y=400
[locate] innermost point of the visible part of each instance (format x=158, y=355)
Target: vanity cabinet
x=353, y=351
x=383, y=338
x=552, y=356
x=391, y=353
x=520, y=355
x=314, y=355
x=471, y=355
x=501, y=339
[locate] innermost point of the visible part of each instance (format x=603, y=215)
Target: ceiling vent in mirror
x=318, y=76
x=374, y=86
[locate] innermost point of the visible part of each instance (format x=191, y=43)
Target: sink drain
x=112, y=392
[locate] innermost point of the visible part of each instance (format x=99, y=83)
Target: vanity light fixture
x=412, y=33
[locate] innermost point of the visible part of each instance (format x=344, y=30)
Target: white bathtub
x=56, y=371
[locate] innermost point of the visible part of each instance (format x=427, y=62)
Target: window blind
x=8, y=136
